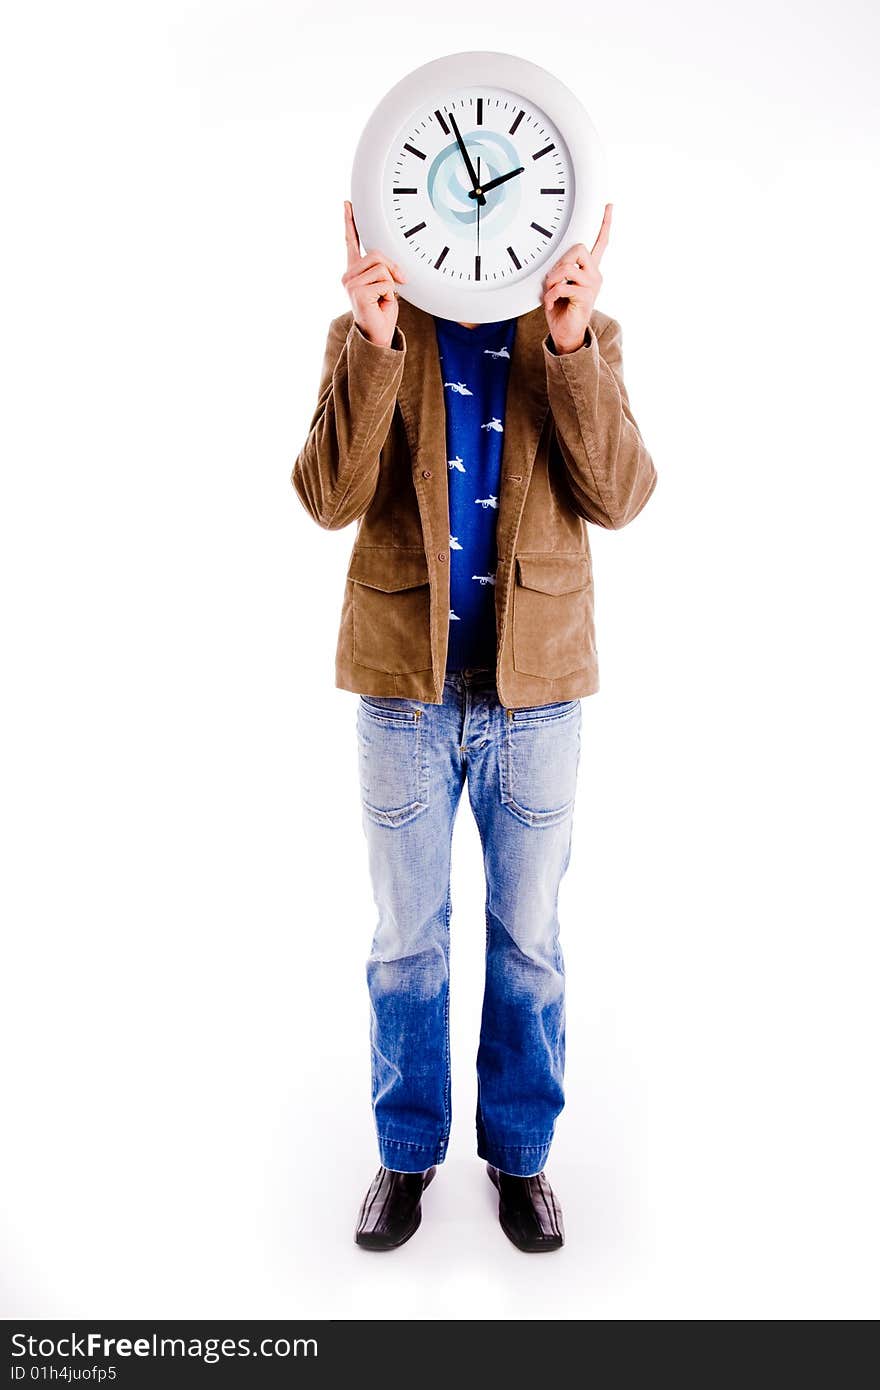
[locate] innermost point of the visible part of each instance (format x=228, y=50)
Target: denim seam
x=526, y=717
x=407, y=1144
x=446, y=1043
x=479, y=1117
x=521, y=1148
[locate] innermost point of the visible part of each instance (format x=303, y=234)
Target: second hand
x=479, y=201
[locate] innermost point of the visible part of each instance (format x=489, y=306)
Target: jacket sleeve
x=337, y=469
x=610, y=472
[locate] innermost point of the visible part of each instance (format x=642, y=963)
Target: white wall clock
x=475, y=173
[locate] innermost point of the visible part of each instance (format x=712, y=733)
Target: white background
x=186, y=901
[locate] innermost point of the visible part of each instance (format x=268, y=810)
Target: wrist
x=565, y=347
x=386, y=341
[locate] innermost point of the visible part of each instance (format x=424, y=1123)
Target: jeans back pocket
x=539, y=761
x=391, y=764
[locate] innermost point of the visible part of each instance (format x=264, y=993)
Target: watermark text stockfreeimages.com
x=95, y=1346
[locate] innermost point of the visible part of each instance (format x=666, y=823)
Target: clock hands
x=493, y=183
x=481, y=184
x=477, y=191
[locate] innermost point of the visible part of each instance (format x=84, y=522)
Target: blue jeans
x=521, y=771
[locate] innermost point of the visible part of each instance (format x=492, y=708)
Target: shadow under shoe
x=528, y=1211
x=391, y=1212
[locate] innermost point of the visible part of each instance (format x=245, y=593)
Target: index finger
x=604, y=231
x=352, y=240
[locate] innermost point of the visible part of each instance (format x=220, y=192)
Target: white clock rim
x=430, y=82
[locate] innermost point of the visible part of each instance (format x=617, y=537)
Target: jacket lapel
x=420, y=397
x=423, y=408
x=525, y=412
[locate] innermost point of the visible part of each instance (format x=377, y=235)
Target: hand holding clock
x=370, y=280
x=570, y=290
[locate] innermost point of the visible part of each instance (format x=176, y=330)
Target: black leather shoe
x=529, y=1213
x=391, y=1212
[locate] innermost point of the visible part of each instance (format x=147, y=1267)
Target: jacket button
x=441, y=554
x=426, y=472
x=516, y=477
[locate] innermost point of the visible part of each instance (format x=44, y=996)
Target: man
x=472, y=457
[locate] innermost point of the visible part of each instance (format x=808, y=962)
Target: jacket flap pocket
x=386, y=567
x=553, y=574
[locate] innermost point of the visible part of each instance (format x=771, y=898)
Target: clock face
x=476, y=172
x=478, y=188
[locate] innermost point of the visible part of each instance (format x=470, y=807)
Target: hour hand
x=493, y=183
x=472, y=174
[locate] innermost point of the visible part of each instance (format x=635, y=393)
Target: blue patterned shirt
x=474, y=366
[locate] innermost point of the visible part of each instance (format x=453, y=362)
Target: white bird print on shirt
x=502, y=352
x=454, y=543
x=453, y=616
x=493, y=424
x=484, y=579
x=457, y=463
x=484, y=502
x=459, y=387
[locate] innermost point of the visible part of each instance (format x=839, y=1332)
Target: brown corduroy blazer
x=376, y=454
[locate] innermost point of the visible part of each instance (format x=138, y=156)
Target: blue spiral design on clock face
x=449, y=188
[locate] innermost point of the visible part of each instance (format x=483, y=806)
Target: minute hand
x=493, y=183
x=472, y=173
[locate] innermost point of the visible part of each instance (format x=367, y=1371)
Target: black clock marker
x=553, y=190
x=415, y=190
x=441, y=258
x=519, y=117
x=412, y=231
x=513, y=256
x=412, y=149
x=476, y=267
x=537, y=226
x=479, y=119
x=546, y=150
x=443, y=126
